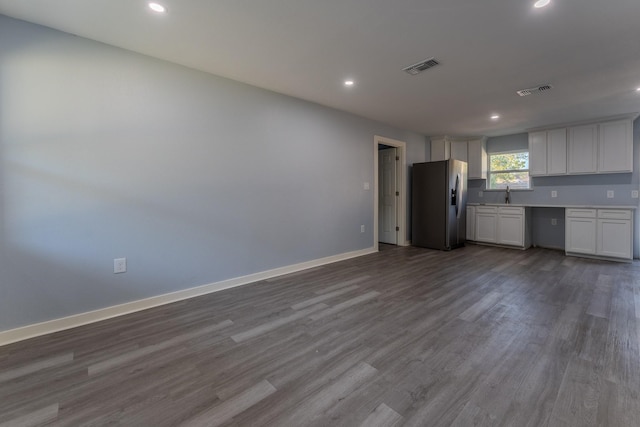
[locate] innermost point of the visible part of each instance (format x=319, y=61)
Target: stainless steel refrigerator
x=438, y=204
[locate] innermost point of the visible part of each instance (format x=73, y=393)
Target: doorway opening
x=390, y=192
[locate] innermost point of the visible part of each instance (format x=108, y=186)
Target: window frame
x=490, y=172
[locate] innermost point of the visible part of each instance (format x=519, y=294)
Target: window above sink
x=508, y=168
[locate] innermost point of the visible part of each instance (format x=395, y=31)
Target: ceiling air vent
x=421, y=66
x=531, y=90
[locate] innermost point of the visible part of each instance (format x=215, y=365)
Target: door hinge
x=397, y=228
x=397, y=193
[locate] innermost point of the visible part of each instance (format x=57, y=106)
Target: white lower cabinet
x=590, y=232
x=486, y=224
x=511, y=226
x=614, y=233
x=502, y=225
x=580, y=231
x=471, y=223
x=600, y=232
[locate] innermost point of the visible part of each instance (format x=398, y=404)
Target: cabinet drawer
x=510, y=211
x=486, y=209
x=614, y=214
x=581, y=213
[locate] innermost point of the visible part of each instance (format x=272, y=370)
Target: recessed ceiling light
x=495, y=117
x=541, y=3
x=349, y=82
x=157, y=7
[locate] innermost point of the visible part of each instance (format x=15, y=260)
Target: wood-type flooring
x=478, y=336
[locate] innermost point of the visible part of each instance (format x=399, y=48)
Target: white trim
x=50, y=326
x=402, y=204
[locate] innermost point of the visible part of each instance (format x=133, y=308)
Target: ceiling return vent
x=532, y=90
x=421, y=66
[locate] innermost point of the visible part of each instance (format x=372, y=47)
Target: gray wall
x=572, y=190
x=105, y=153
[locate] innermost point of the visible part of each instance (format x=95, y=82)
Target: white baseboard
x=55, y=325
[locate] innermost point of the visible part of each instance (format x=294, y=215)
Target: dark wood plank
x=408, y=336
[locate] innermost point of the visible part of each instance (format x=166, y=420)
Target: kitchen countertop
x=533, y=205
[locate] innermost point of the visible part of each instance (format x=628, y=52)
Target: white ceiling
x=588, y=50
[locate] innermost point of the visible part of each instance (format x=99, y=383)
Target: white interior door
x=387, y=196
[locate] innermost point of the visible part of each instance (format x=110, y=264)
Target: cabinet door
x=459, y=150
x=538, y=153
x=477, y=159
x=471, y=223
x=614, y=238
x=511, y=230
x=615, y=147
x=439, y=149
x=580, y=235
x=557, y=152
x=486, y=227
x=583, y=149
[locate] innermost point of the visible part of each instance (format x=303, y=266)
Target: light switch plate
x=554, y=193
x=366, y=186
x=480, y=193
x=554, y=221
x=634, y=194
x=610, y=194
x=362, y=228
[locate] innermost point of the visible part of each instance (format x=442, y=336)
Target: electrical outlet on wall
x=362, y=228
x=554, y=221
x=366, y=186
x=554, y=193
x=480, y=193
x=610, y=194
x=634, y=194
x=120, y=265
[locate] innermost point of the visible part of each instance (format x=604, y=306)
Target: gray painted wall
x=105, y=153
x=572, y=190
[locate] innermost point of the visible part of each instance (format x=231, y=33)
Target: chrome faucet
x=507, y=196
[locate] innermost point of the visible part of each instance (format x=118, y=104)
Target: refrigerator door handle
x=454, y=195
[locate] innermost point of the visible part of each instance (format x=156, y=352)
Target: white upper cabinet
x=548, y=152
x=605, y=147
x=615, y=148
x=459, y=150
x=473, y=151
x=583, y=149
x=440, y=149
x=538, y=153
x=477, y=159
x=557, y=152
